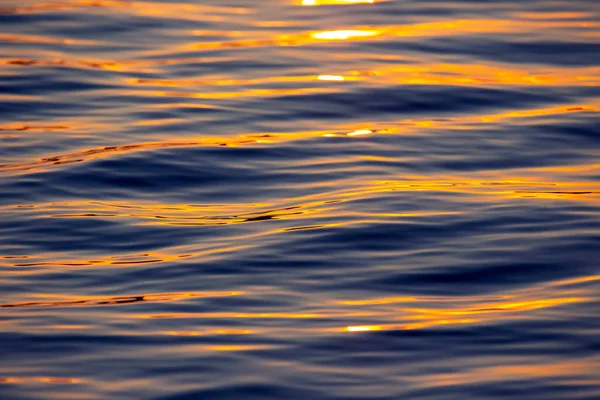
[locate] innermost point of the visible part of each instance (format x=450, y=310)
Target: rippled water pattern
x=318, y=199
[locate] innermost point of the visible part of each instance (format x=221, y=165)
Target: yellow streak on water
x=149, y=8
x=475, y=74
x=32, y=39
x=234, y=315
x=237, y=347
x=41, y=300
x=330, y=78
x=576, y=372
x=363, y=328
x=343, y=34
x=41, y=379
x=474, y=312
x=211, y=332
x=334, y=2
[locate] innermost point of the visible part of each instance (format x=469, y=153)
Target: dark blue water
x=255, y=200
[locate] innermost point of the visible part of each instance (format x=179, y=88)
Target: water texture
x=318, y=199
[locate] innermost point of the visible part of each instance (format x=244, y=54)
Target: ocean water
x=318, y=199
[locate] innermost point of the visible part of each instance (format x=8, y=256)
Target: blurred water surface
x=281, y=199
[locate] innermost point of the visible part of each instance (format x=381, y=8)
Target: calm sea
x=300, y=200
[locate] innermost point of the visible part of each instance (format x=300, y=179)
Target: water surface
x=322, y=200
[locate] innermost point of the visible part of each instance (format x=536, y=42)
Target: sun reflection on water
x=344, y=34
x=473, y=311
x=334, y=2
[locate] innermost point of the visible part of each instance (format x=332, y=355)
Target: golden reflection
x=261, y=315
x=330, y=78
x=237, y=347
x=580, y=371
x=51, y=300
x=60, y=380
x=425, y=313
x=246, y=93
x=211, y=332
x=554, y=15
x=360, y=132
x=118, y=261
x=177, y=9
x=438, y=322
x=113, y=260
x=575, y=281
x=476, y=311
x=294, y=39
x=426, y=73
x=562, y=195
x=16, y=97
x=71, y=327
x=43, y=379
x=186, y=83
x=115, y=66
x=436, y=28
x=364, y=328
x=233, y=315
x=217, y=81
x=511, y=187
x=34, y=128
x=343, y=34
x=384, y=300
x=541, y=112
x=334, y=2
x=171, y=214
x=19, y=38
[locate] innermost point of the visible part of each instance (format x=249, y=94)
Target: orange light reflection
x=334, y=2
x=343, y=34
x=52, y=300
x=476, y=312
